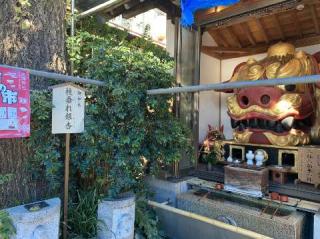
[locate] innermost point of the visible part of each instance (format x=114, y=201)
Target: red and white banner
x=14, y=103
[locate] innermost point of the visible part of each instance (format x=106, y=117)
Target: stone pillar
x=40, y=220
x=116, y=218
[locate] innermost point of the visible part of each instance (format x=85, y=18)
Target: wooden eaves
x=251, y=26
x=127, y=8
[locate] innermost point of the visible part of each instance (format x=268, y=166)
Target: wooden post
x=66, y=186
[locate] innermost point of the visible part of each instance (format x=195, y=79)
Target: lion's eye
x=290, y=88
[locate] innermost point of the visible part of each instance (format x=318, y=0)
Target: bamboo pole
x=234, y=85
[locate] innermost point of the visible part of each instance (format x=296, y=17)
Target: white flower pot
x=116, y=218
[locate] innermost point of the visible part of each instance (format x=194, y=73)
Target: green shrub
x=45, y=159
x=82, y=219
x=146, y=222
x=126, y=130
x=7, y=230
x=125, y=126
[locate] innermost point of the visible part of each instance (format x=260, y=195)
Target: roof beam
x=233, y=36
x=278, y=26
x=263, y=31
x=315, y=18
x=206, y=50
x=218, y=38
x=245, y=28
x=218, y=49
x=296, y=22
x=244, y=11
x=232, y=52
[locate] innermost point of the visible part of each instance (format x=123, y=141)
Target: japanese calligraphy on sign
x=309, y=171
x=14, y=103
x=68, y=109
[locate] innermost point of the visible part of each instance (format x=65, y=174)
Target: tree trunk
x=33, y=37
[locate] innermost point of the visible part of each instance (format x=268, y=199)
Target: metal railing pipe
x=56, y=76
x=234, y=85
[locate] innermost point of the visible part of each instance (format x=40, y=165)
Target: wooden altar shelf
x=280, y=174
x=250, y=26
x=303, y=191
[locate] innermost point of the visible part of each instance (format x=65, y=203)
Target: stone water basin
x=286, y=223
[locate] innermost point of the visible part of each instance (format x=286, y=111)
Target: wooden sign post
x=67, y=118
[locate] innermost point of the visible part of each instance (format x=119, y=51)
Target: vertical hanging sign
x=68, y=109
x=14, y=103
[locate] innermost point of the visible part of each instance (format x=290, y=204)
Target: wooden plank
x=307, y=192
x=211, y=53
x=222, y=55
x=217, y=36
x=233, y=36
x=243, y=11
x=278, y=26
x=296, y=22
x=314, y=18
x=306, y=41
x=245, y=28
x=218, y=49
x=262, y=30
x=227, y=52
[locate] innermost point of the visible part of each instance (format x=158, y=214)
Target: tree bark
x=33, y=38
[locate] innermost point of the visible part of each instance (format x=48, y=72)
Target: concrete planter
x=116, y=218
x=38, y=220
x=316, y=226
x=286, y=224
x=165, y=190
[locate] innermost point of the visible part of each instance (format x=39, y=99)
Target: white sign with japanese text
x=68, y=109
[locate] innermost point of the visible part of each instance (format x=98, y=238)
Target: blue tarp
x=188, y=8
